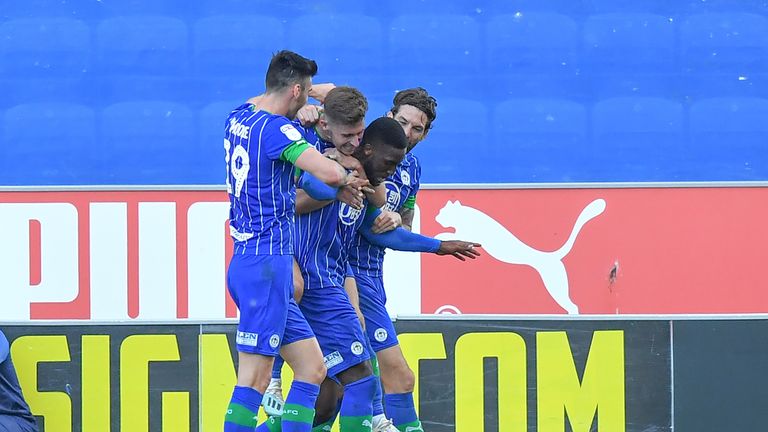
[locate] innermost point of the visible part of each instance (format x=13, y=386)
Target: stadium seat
x=143, y=57
x=280, y=9
x=663, y=7
x=528, y=59
x=235, y=45
x=458, y=148
x=342, y=44
x=724, y=54
x=491, y=8
x=630, y=54
x=439, y=52
x=725, y=42
x=119, y=8
x=637, y=139
x=728, y=139
x=84, y=11
x=542, y=140
x=44, y=48
x=48, y=144
x=150, y=142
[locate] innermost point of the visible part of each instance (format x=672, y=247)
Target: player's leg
x=273, y=398
x=342, y=340
x=260, y=286
x=302, y=352
x=380, y=421
x=396, y=377
x=328, y=405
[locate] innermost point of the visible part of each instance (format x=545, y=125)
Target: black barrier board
x=546, y=376
x=508, y=376
x=721, y=377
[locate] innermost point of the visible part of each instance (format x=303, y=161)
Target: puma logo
x=498, y=242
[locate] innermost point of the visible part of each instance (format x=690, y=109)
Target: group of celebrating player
x=311, y=216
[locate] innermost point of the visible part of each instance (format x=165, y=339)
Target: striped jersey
x=260, y=148
x=402, y=186
x=324, y=237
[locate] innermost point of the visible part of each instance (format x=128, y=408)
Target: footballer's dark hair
x=345, y=105
x=287, y=68
x=419, y=98
x=385, y=131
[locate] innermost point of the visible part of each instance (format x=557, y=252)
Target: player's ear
x=367, y=149
x=296, y=90
x=389, y=114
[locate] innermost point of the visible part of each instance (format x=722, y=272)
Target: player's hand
x=308, y=115
x=348, y=162
x=386, y=221
x=351, y=194
x=459, y=249
x=320, y=91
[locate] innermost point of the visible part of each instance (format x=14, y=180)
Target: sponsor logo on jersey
x=245, y=338
x=333, y=359
x=290, y=132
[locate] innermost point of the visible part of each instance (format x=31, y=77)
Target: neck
x=274, y=103
x=324, y=135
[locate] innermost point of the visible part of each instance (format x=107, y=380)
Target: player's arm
x=404, y=240
x=308, y=159
x=407, y=211
x=320, y=91
x=318, y=194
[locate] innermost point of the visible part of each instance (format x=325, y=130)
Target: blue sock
x=299, y=410
x=243, y=409
x=378, y=404
x=277, y=368
x=356, y=407
x=401, y=410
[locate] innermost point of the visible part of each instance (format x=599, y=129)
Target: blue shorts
x=262, y=287
x=17, y=424
x=373, y=300
x=337, y=328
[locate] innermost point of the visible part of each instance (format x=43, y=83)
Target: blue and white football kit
x=260, y=150
x=367, y=259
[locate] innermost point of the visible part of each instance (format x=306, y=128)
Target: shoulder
x=278, y=124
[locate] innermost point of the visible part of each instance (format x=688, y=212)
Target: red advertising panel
x=600, y=251
x=162, y=255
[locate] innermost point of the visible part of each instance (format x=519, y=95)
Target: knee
x=408, y=379
x=315, y=373
x=398, y=378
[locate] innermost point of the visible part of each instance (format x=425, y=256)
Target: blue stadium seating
x=728, y=135
x=48, y=143
x=635, y=63
x=345, y=46
x=143, y=57
x=459, y=141
x=637, y=139
x=724, y=54
x=149, y=142
x=541, y=140
x=630, y=54
x=440, y=52
x=527, y=58
x=44, y=47
x=231, y=54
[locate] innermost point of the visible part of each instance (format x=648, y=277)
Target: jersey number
x=239, y=164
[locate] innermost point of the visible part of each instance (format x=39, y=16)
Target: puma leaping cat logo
x=501, y=244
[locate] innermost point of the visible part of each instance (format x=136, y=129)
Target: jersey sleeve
x=410, y=201
x=282, y=140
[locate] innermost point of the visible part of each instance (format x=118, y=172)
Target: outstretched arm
x=404, y=240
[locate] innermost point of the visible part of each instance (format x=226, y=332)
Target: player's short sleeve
x=410, y=200
x=280, y=135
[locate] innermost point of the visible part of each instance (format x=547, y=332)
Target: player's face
x=346, y=138
x=414, y=123
x=379, y=163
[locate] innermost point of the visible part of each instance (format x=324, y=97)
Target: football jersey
x=259, y=181
x=324, y=236
x=11, y=398
x=402, y=186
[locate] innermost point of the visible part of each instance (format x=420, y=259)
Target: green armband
x=292, y=152
x=410, y=203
